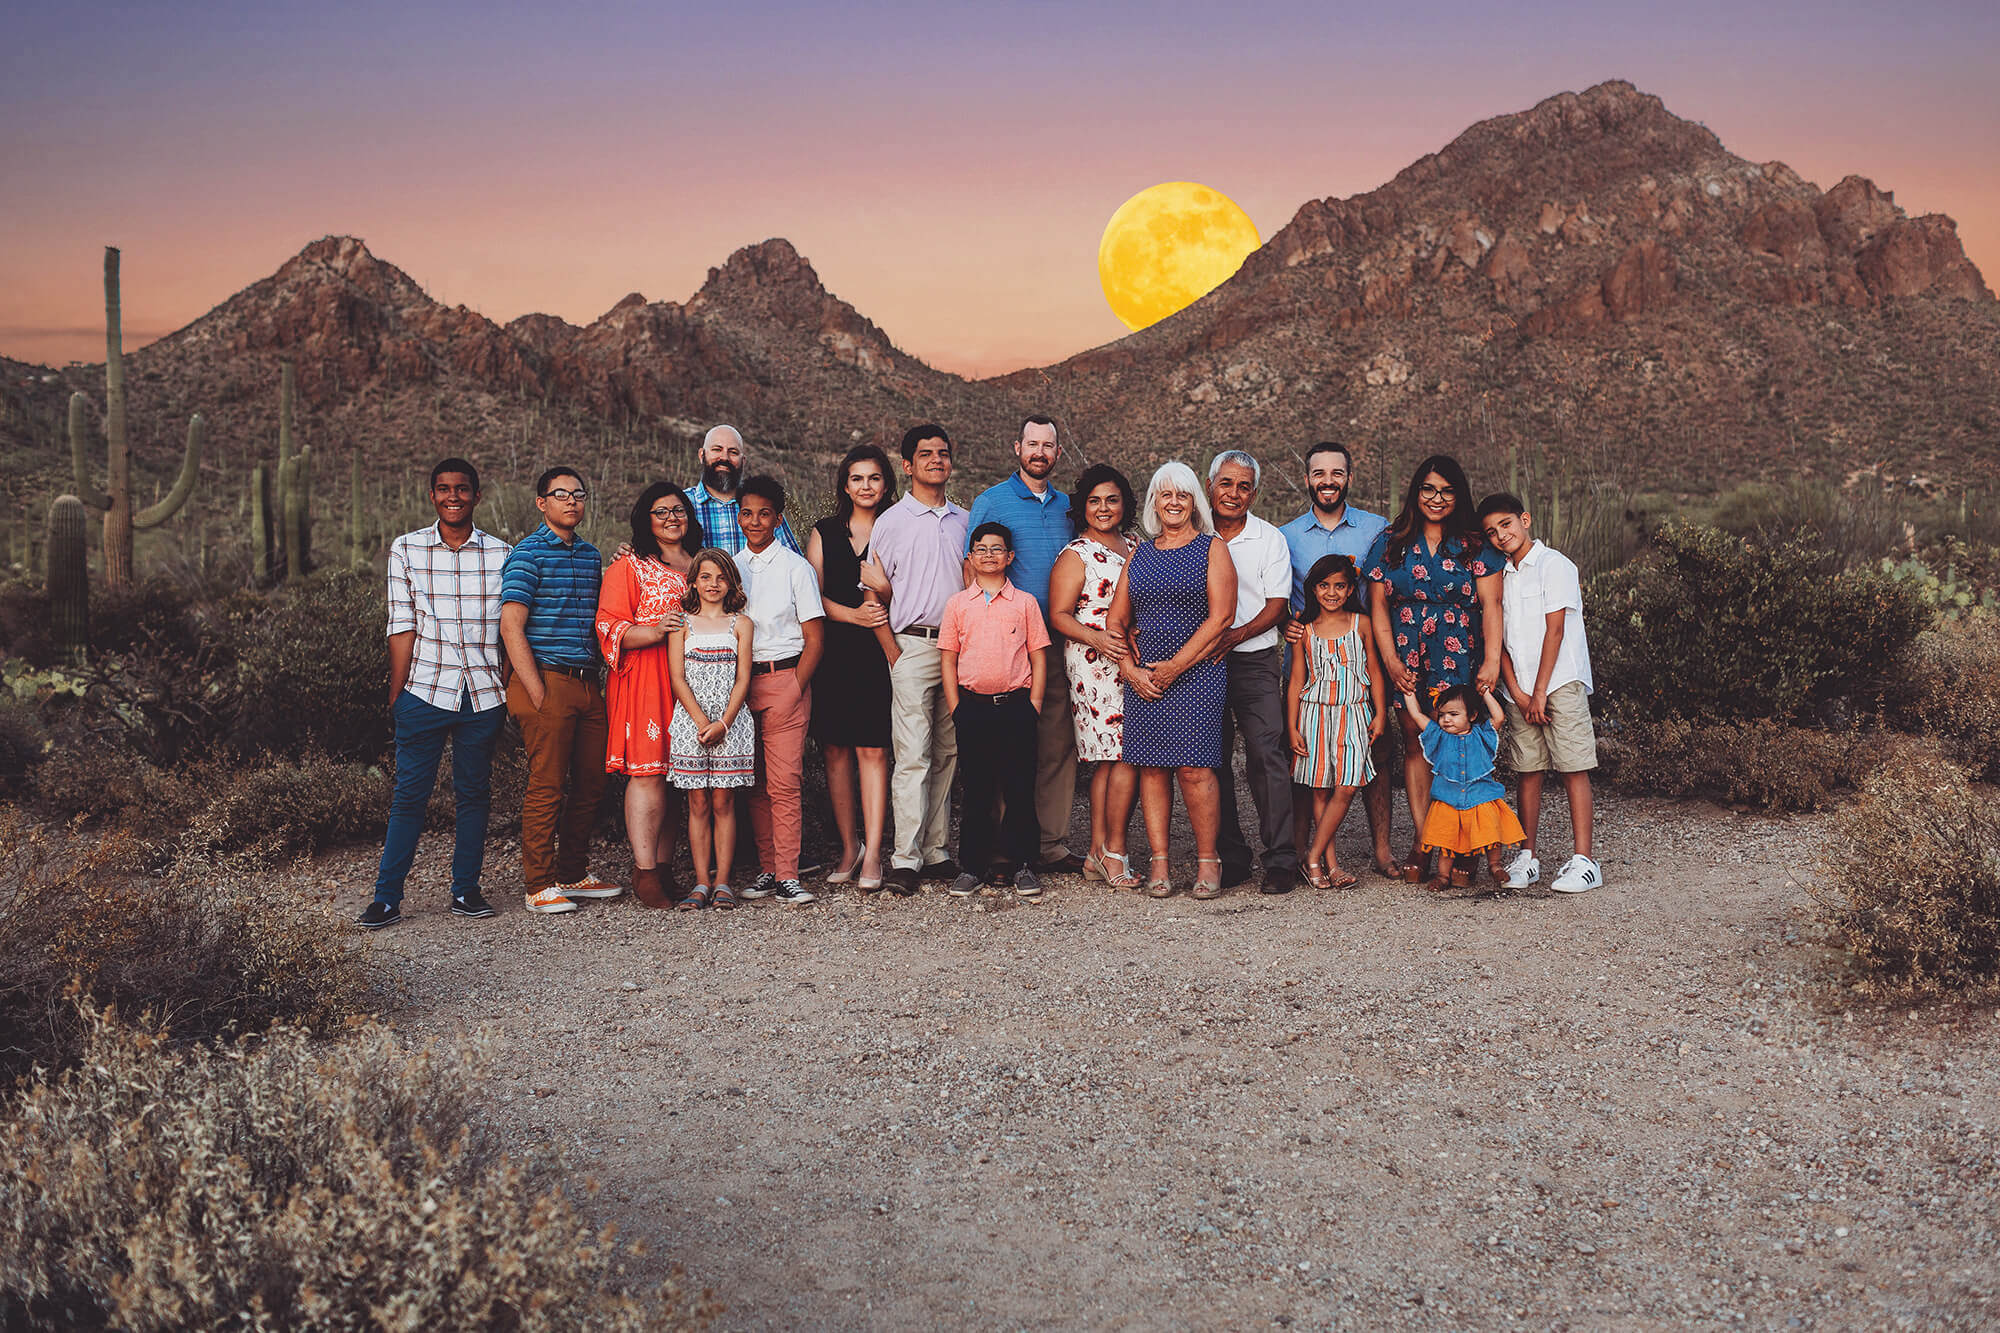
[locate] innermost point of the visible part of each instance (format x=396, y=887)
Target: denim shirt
x=1462, y=766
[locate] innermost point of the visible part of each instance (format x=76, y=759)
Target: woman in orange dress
x=638, y=606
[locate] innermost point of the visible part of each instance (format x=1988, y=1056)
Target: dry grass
x=1953, y=679
x=1913, y=890
x=277, y=1182
x=1760, y=764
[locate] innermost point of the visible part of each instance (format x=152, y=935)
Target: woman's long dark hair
x=1461, y=525
x=644, y=544
x=843, y=503
x=1094, y=476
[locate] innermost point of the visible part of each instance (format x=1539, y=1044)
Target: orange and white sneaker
x=590, y=886
x=550, y=899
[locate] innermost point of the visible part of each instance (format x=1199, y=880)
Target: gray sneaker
x=965, y=886
x=1026, y=884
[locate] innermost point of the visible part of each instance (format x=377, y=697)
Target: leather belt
x=782, y=664
x=920, y=631
x=996, y=700
x=580, y=673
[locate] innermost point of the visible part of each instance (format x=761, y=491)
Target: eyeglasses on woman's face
x=668, y=513
x=1433, y=491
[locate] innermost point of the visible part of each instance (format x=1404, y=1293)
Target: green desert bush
x=302, y=805
x=1712, y=627
x=202, y=958
x=1952, y=684
x=1912, y=886
x=314, y=668
x=1760, y=763
x=279, y=1182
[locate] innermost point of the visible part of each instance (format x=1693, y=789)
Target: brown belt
x=782, y=664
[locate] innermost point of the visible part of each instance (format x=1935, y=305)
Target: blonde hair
x=1178, y=477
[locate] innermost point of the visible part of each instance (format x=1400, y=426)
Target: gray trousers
x=1256, y=708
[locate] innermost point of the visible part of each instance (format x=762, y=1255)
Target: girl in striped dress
x=1336, y=708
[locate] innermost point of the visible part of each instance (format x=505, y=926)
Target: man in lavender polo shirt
x=916, y=566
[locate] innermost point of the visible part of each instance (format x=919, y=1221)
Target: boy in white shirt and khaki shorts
x=1546, y=670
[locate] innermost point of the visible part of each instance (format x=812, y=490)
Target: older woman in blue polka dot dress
x=1175, y=598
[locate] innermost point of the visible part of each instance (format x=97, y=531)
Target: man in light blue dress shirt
x=1331, y=526
x=1036, y=511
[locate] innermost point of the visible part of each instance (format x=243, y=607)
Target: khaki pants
x=565, y=740
x=926, y=747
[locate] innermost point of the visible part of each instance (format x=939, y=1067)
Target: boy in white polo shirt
x=1547, y=673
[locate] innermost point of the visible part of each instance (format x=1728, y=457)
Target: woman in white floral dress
x=1080, y=588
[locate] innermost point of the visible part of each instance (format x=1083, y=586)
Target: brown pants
x=565, y=740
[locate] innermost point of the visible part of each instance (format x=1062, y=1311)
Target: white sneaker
x=1523, y=870
x=1578, y=873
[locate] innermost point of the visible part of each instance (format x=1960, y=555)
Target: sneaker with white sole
x=766, y=885
x=1523, y=870
x=791, y=893
x=1578, y=874
x=965, y=886
x=590, y=886
x=550, y=899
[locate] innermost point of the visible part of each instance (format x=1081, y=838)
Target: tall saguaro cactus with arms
x=115, y=500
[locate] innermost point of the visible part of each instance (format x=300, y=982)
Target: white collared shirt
x=1263, y=560
x=1546, y=580
x=783, y=594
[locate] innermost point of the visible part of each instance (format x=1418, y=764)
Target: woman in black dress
x=850, y=716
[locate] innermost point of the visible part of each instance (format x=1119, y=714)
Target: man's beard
x=1326, y=506
x=1038, y=469
x=720, y=478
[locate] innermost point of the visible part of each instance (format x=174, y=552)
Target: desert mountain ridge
x=1595, y=277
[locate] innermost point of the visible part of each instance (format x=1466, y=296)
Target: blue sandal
x=696, y=900
x=722, y=897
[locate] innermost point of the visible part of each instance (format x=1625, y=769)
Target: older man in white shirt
x=785, y=644
x=1254, y=650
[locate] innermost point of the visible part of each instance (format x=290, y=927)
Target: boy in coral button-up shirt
x=993, y=644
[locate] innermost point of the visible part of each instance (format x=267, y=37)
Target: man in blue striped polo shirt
x=548, y=611
x=1037, y=513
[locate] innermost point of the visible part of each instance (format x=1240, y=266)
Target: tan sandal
x=1158, y=886
x=1093, y=868
x=1205, y=888
x=1124, y=881
x=1316, y=874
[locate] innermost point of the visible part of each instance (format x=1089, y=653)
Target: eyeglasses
x=989, y=550
x=1430, y=492
x=671, y=511
x=577, y=495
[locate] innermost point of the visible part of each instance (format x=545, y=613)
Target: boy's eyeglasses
x=579, y=496
x=989, y=550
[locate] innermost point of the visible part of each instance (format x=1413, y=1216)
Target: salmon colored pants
x=777, y=815
x=565, y=740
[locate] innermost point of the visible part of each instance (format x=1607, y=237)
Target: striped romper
x=1335, y=712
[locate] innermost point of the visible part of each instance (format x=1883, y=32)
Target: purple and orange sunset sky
x=947, y=169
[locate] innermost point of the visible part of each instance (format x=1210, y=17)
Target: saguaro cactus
x=357, y=541
x=68, y=578
x=115, y=500
x=281, y=502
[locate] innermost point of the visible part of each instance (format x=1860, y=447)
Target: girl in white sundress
x=712, y=739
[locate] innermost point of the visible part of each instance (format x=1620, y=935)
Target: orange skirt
x=1474, y=830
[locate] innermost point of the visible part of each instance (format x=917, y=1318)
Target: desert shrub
x=277, y=1183
x=1912, y=889
x=1760, y=763
x=1712, y=627
x=24, y=622
x=203, y=958
x=302, y=805
x=314, y=668
x=21, y=739
x=1952, y=684
x=85, y=773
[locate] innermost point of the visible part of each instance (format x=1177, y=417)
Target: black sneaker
x=765, y=885
x=471, y=903
x=793, y=894
x=378, y=915
x=946, y=869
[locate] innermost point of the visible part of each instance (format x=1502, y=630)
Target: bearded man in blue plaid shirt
x=714, y=497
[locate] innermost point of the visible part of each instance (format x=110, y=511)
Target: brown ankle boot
x=647, y=889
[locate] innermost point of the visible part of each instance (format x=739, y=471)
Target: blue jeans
x=421, y=731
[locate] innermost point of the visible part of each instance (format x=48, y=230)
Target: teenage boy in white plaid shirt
x=444, y=684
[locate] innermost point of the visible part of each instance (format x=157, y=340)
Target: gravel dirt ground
x=1639, y=1107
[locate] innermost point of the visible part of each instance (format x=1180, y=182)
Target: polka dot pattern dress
x=1183, y=727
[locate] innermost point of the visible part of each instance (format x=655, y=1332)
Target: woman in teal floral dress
x=1436, y=607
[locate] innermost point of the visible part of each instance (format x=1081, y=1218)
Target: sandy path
x=1370, y=1109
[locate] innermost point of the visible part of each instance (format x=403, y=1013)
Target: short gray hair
x=1241, y=459
x=720, y=432
x=1175, y=476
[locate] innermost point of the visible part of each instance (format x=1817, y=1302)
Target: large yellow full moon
x=1167, y=247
